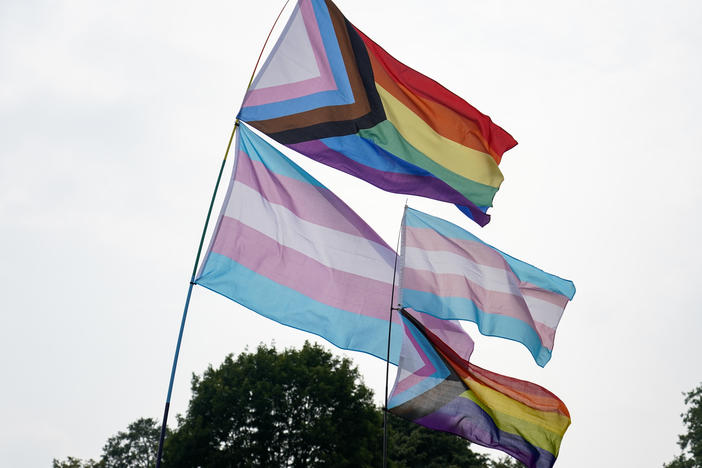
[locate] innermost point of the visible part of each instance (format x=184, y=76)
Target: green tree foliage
x=285, y=409
x=691, y=442
x=135, y=448
x=505, y=462
x=73, y=462
x=298, y=408
x=290, y=409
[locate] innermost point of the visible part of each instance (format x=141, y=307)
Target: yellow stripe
x=550, y=420
x=467, y=162
x=532, y=433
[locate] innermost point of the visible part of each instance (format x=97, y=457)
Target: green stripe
x=387, y=137
x=535, y=435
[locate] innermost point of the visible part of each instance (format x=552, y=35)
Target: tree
x=691, y=442
x=298, y=408
x=290, y=409
x=135, y=448
x=505, y=462
x=73, y=462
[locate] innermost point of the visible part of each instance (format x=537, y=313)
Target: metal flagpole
x=387, y=358
x=187, y=301
x=197, y=258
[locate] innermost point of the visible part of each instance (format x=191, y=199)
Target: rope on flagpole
x=197, y=257
x=266, y=42
x=387, y=358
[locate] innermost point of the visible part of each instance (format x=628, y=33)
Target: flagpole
x=387, y=358
x=199, y=252
x=187, y=300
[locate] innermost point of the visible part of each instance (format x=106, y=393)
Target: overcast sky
x=114, y=119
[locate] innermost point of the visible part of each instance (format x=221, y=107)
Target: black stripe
x=344, y=127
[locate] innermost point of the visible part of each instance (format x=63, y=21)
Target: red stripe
x=497, y=138
x=525, y=392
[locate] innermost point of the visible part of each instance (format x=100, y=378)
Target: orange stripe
x=446, y=122
x=527, y=393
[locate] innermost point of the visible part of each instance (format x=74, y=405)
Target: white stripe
x=335, y=249
x=543, y=311
x=442, y=262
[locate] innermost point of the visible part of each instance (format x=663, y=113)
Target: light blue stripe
x=341, y=96
x=459, y=308
x=331, y=46
x=292, y=106
x=260, y=150
x=524, y=271
x=428, y=382
x=264, y=296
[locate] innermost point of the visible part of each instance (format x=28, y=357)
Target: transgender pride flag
x=289, y=249
x=449, y=273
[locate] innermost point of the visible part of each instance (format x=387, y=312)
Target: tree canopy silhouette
x=291, y=408
x=298, y=408
x=691, y=442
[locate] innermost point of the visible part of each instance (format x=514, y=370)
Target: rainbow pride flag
x=289, y=249
x=448, y=272
x=438, y=389
x=332, y=94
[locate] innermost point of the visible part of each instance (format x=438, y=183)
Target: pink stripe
x=301, y=273
x=305, y=200
x=490, y=302
x=477, y=252
x=448, y=331
x=448, y=285
x=532, y=290
x=324, y=82
x=284, y=92
x=546, y=333
x=420, y=374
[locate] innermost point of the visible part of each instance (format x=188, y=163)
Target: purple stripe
x=421, y=185
x=465, y=418
x=305, y=200
x=290, y=268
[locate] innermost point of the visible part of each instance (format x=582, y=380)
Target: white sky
x=113, y=120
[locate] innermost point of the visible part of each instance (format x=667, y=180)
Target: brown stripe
x=431, y=400
x=357, y=109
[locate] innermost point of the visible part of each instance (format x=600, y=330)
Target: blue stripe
x=459, y=308
x=428, y=382
x=276, y=162
x=341, y=96
x=524, y=271
x=369, y=154
x=331, y=46
x=264, y=296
